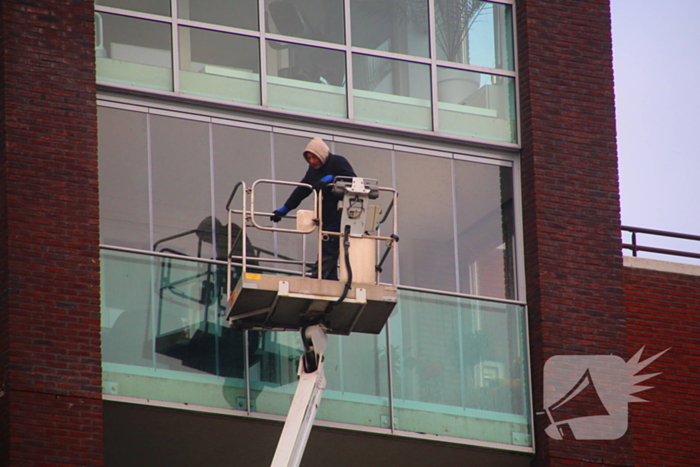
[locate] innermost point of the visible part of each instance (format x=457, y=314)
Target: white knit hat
x=318, y=147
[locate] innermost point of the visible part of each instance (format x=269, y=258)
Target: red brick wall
x=663, y=310
x=50, y=394
x=571, y=206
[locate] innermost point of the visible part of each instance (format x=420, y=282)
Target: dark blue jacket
x=336, y=166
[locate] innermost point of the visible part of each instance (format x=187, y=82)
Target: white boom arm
x=302, y=412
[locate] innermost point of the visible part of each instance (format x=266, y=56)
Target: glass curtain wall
x=446, y=357
x=444, y=66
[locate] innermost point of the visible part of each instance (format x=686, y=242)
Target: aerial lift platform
x=284, y=301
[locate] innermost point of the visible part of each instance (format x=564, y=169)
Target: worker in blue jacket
x=323, y=168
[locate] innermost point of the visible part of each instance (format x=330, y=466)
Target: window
x=452, y=360
x=379, y=64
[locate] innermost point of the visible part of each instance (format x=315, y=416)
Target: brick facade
x=664, y=312
x=50, y=363
x=571, y=205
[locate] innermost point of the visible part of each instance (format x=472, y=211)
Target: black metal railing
x=635, y=247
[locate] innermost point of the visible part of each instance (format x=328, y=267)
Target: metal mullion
x=433, y=66
x=454, y=225
x=263, y=53
x=175, y=34
x=514, y=27
x=348, y=62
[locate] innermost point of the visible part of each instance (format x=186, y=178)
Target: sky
x=656, y=59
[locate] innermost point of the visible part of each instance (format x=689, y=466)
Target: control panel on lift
x=357, y=302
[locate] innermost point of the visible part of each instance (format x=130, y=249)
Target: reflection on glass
x=391, y=26
x=391, y=92
x=477, y=105
x=308, y=79
x=426, y=249
x=474, y=32
x=156, y=7
x=133, y=52
x=181, y=178
x=239, y=14
x=485, y=230
x=458, y=365
x=163, y=312
x=219, y=65
x=242, y=154
x=123, y=161
x=463, y=358
x=320, y=20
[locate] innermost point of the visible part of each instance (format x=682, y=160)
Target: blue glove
x=321, y=184
x=278, y=214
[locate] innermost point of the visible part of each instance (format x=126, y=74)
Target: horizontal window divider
x=476, y=69
x=161, y=255
x=133, y=14
x=217, y=28
x=301, y=133
x=362, y=142
x=483, y=159
x=119, y=105
x=309, y=42
x=238, y=124
x=214, y=261
x=262, y=114
x=422, y=151
x=502, y=2
x=181, y=115
x=461, y=295
x=392, y=55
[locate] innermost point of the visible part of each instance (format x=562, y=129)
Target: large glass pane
x=307, y=79
x=219, y=65
x=320, y=20
x=356, y=373
x=485, y=229
x=161, y=334
x=123, y=163
x=156, y=7
x=181, y=191
x=426, y=228
x=391, y=26
x=133, y=52
x=459, y=367
x=476, y=105
x=291, y=166
x=242, y=154
x=239, y=14
x=391, y=92
x=474, y=32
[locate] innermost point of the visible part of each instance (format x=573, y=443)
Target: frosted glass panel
x=133, y=52
x=392, y=92
x=219, y=65
x=307, y=79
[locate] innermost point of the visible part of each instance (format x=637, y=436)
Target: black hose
x=348, y=284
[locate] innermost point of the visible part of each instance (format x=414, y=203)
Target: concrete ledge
x=658, y=265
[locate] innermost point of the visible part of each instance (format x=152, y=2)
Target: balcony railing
x=445, y=365
x=635, y=247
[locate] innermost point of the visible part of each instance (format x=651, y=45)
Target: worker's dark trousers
x=330, y=250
